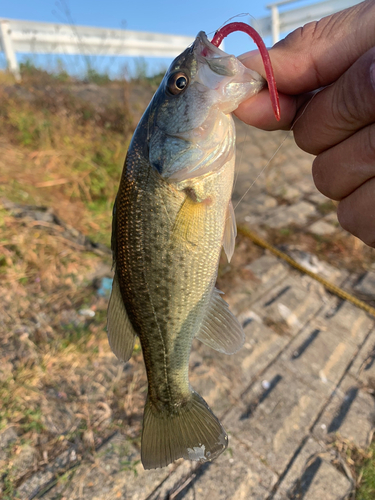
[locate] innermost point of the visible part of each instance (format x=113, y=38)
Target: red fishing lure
x=236, y=26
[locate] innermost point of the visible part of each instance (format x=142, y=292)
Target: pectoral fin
x=220, y=329
x=189, y=222
x=230, y=232
x=120, y=332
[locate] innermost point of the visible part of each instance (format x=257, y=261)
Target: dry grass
x=61, y=387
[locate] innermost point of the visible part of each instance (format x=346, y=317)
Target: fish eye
x=177, y=83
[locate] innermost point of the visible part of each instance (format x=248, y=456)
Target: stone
x=322, y=228
x=7, y=437
x=23, y=461
x=288, y=193
x=297, y=214
x=318, y=198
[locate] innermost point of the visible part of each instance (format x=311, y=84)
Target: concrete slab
x=320, y=355
x=43, y=479
x=275, y=415
x=288, y=306
x=367, y=285
x=363, y=368
x=287, y=192
x=350, y=414
x=313, y=477
x=261, y=276
x=235, y=475
x=354, y=323
x=220, y=378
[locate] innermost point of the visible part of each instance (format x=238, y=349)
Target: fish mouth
x=218, y=61
x=224, y=73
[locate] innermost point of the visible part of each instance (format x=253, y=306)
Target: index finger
x=314, y=56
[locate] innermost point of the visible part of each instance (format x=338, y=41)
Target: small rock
x=321, y=228
x=7, y=437
x=265, y=384
x=24, y=461
x=293, y=214
x=87, y=313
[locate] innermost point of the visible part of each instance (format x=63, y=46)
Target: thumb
x=309, y=58
x=318, y=53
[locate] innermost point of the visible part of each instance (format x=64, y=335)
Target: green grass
x=366, y=471
x=16, y=409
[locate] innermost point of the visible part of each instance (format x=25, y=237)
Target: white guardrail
x=54, y=38
x=284, y=21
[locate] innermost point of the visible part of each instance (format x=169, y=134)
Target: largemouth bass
x=172, y=215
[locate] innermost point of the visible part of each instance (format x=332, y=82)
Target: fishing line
x=263, y=169
x=279, y=147
x=243, y=14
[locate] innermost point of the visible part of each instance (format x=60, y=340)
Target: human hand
x=338, y=124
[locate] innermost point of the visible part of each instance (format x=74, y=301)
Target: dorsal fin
x=220, y=329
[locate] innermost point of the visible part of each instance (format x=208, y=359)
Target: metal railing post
x=275, y=24
x=6, y=42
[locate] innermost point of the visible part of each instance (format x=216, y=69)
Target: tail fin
x=193, y=433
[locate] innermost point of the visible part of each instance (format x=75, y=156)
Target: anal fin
x=220, y=329
x=121, y=335
x=230, y=232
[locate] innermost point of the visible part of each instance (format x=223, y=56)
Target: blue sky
x=162, y=16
